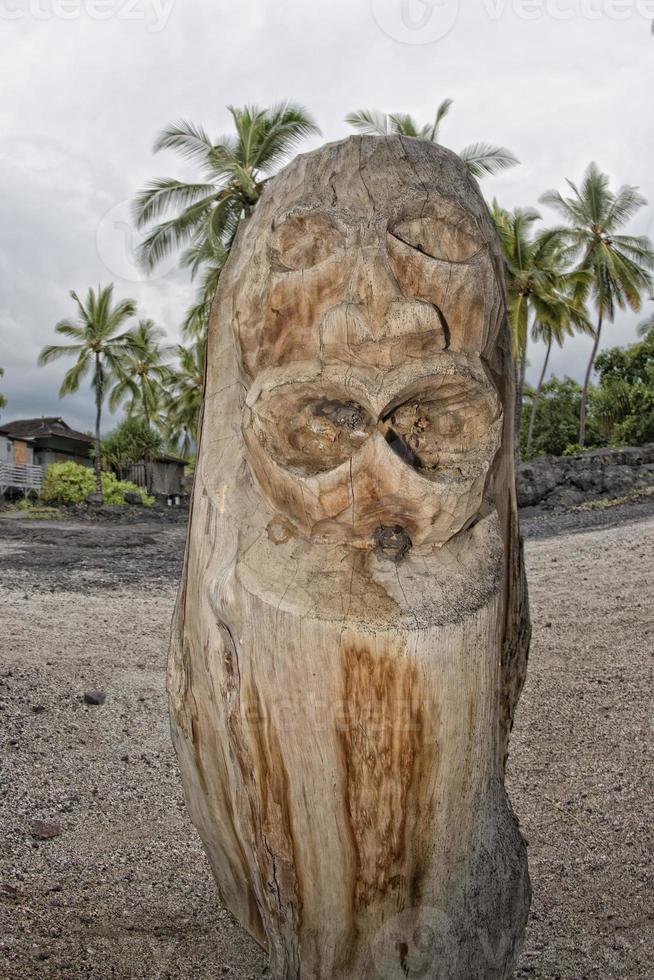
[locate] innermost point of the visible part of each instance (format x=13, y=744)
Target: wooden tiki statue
x=351, y=633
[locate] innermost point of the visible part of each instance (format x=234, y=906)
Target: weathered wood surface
x=351, y=633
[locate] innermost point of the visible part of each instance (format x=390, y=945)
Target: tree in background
x=556, y=425
x=141, y=372
x=542, y=297
x=98, y=347
x=480, y=158
x=647, y=325
x=202, y=217
x=131, y=442
x=185, y=396
x=3, y=400
x=568, y=317
x=620, y=405
x=624, y=398
x=619, y=265
x=197, y=315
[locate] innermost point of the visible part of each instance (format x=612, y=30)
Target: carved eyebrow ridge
x=421, y=251
x=339, y=220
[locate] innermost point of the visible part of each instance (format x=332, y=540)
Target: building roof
x=43, y=428
x=168, y=458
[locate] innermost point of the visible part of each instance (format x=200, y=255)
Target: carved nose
x=392, y=542
x=373, y=287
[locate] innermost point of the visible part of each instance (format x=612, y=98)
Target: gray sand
x=123, y=890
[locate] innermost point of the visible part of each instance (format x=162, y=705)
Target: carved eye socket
x=445, y=428
x=310, y=432
x=305, y=240
x=437, y=238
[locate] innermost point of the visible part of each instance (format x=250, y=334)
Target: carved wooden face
x=352, y=607
x=365, y=295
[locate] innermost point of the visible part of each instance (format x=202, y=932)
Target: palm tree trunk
x=99, y=392
x=147, y=460
x=520, y=372
x=534, y=406
x=144, y=399
x=584, y=394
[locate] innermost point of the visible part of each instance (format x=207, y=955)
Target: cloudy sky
x=87, y=84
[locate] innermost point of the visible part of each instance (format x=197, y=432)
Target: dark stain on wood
x=271, y=806
x=388, y=756
x=195, y=739
x=274, y=789
x=204, y=739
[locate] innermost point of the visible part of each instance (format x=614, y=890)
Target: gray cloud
x=84, y=97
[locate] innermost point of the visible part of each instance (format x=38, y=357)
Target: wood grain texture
x=351, y=633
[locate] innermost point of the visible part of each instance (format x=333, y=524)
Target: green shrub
x=67, y=483
x=114, y=490
x=71, y=483
x=557, y=420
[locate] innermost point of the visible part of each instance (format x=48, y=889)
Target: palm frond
x=53, y=352
x=370, y=122
x=68, y=328
x=75, y=375
x=624, y=206
x=196, y=318
x=187, y=138
x=484, y=159
x=441, y=113
x=280, y=130
x=402, y=124
x=171, y=234
x=646, y=325
x=164, y=193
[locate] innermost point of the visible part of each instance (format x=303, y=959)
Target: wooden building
x=163, y=476
x=27, y=446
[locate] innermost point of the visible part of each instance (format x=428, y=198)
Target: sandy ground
x=122, y=889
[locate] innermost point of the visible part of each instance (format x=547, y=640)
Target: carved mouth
x=392, y=542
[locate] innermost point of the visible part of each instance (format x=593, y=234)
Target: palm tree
x=185, y=398
x=141, y=373
x=98, y=347
x=619, y=265
x=202, y=217
x=647, y=325
x=197, y=316
x=541, y=295
x=480, y=158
